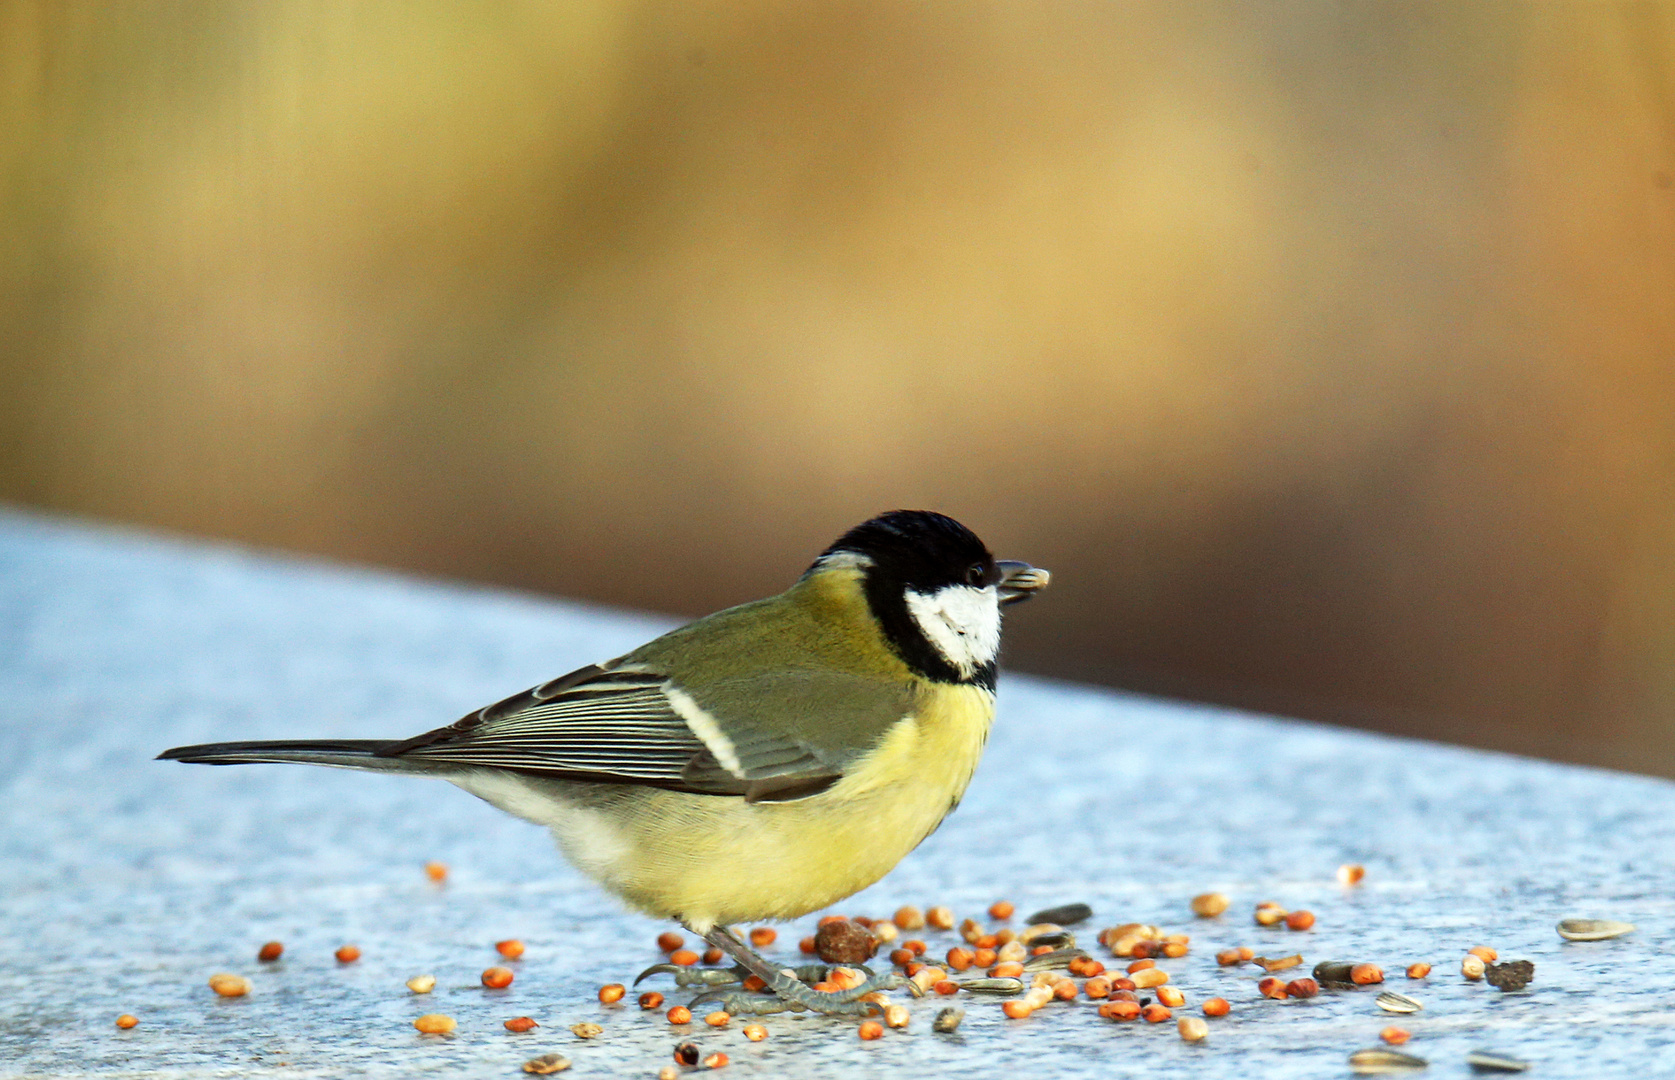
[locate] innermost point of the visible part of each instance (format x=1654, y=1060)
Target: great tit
x=760, y=763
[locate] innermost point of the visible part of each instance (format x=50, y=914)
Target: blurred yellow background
x=1324, y=351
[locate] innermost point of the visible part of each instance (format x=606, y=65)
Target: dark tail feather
x=343, y=753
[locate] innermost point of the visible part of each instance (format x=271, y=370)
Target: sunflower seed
x=1593, y=929
x=1379, y=1060
x=993, y=986
x=1390, y=1001
x=948, y=1020
x=1056, y=959
x=1064, y=915
x=1333, y=971
x=1489, y=1061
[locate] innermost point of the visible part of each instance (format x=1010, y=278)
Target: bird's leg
x=789, y=991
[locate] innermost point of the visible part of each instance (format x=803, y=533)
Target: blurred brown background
x=1325, y=352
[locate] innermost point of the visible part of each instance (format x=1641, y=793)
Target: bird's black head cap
x=922, y=551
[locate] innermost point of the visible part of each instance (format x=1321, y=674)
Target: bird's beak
x=1020, y=580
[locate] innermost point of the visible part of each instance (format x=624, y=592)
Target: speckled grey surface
x=127, y=882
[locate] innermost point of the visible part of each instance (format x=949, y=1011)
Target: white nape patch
x=705, y=727
x=843, y=560
x=962, y=622
x=587, y=837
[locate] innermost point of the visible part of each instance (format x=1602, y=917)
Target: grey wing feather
x=597, y=724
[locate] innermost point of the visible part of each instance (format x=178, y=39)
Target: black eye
x=974, y=576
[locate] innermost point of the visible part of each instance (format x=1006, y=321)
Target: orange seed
x=870, y=1030
x=1366, y=974
x=1170, y=996
x=763, y=936
x=1155, y=1014
x=126, y=1021
x=1395, y=1036
x=270, y=952
x=497, y=978
x=718, y=1018
x=940, y=918
x=436, y=871
x=717, y=1060
x=1216, y=1007
x=229, y=985
x=1419, y=970
x=680, y=1014
x=348, y=954
x=683, y=957
x=651, y=999
x=712, y=956
x=1299, y=920
x=755, y=1032
x=434, y=1024
x=1016, y=1009
x=611, y=993
x=511, y=948
x=669, y=941
x=1001, y=909
x=521, y=1024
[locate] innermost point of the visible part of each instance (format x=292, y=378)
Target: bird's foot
x=790, y=992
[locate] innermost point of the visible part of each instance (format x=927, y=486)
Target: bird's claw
x=690, y=976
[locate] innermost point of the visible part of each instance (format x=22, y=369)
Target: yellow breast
x=709, y=859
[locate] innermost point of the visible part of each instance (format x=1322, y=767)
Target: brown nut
x=844, y=942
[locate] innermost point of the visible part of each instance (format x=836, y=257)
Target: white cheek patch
x=962, y=622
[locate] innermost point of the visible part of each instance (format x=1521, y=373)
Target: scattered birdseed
x=1284, y=963
x=422, y=984
x=611, y=993
x=229, y=985
x=993, y=986
x=712, y=956
x=1192, y=1029
x=896, y=1016
x=1149, y=978
x=947, y=1021
x=909, y=918
x=1209, y=905
x=1171, y=996
x=719, y=1018
x=1001, y=909
x=1366, y=974
x=1379, y=1060
x=946, y=987
x=497, y=978
x=1484, y=953
x=1299, y=920
x=1121, y=1010
x=939, y=918
x=546, y=1064
x=683, y=957
x=1472, y=967
x=651, y=999
x=755, y=1032
x=511, y=948
x=872, y=1029
x=586, y=1030
x=1016, y=1010
x=1334, y=972
x=1593, y=929
x=1302, y=988
x=1272, y=988
x=669, y=941
x=1351, y=874
x=687, y=1053
x=270, y=952
x=717, y=1060
x=521, y=1024
x=1419, y=970
x=348, y=954
x=1512, y=975
x=1489, y=1061
x=126, y=1021
x=1229, y=958
x=435, y=1024
x=1269, y=913
x=1216, y=1007
x=1395, y=1036
x=680, y=1014
x=436, y=871
x=885, y=930
x=1155, y=1014
x=1397, y=1003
